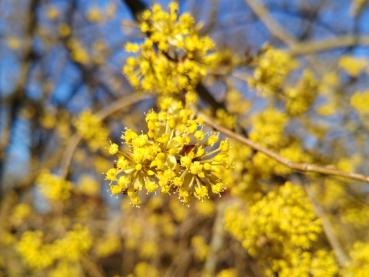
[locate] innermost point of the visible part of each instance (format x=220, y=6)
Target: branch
x=73, y=143
x=306, y=47
x=303, y=167
x=328, y=228
x=311, y=47
x=273, y=26
x=216, y=240
x=136, y=7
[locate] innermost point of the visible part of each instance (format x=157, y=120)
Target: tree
x=218, y=142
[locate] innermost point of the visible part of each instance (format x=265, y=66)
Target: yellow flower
x=272, y=69
x=173, y=58
x=360, y=101
x=353, y=66
x=54, y=187
x=176, y=155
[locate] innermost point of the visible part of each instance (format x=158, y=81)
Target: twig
x=216, y=240
x=306, y=47
x=328, y=228
x=273, y=26
x=312, y=47
x=104, y=113
x=304, y=167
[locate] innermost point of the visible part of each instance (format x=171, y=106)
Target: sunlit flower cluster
x=272, y=68
x=304, y=263
x=54, y=187
x=353, y=66
x=299, y=98
x=359, y=263
x=174, y=57
x=280, y=223
x=175, y=155
x=360, y=101
x=90, y=128
x=39, y=255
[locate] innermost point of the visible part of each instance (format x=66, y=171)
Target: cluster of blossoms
x=272, y=69
x=299, y=98
x=54, y=187
x=176, y=155
x=90, y=128
x=353, y=66
x=174, y=57
x=359, y=264
x=268, y=129
x=276, y=227
x=39, y=255
x=360, y=101
x=320, y=263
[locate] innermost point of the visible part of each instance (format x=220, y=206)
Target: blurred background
x=59, y=58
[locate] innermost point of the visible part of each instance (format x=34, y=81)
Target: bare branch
x=73, y=143
x=313, y=47
x=273, y=26
x=303, y=167
x=328, y=228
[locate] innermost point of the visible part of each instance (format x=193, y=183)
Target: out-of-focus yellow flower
x=88, y=185
x=359, y=263
x=54, y=187
x=360, y=101
x=94, y=14
x=90, y=128
x=13, y=42
x=353, y=66
x=52, y=12
x=272, y=68
x=200, y=247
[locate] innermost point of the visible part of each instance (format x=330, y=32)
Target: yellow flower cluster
x=251, y=170
x=353, y=66
x=39, y=255
x=88, y=185
x=108, y=245
x=174, y=57
x=32, y=250
x=229, y=272
x=64, y=268
x=200, y=247
x=300, y=97
x=175, y=155
x=78, y=52
x=20, y=213
x=90, y=128
x=360, y=101
x=236, y=102
x=143, y=270
x=280, y=223
x=359, y=263
x=54, y=187
x=268, y=128
x=272, y=68
x=303, y=263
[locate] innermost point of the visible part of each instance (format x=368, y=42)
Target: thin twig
x=273, y=26
x=313, y=47
x=306, y=47
x=303, y=167
x=328, y=228
x=104, y=113
x=216, y=240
